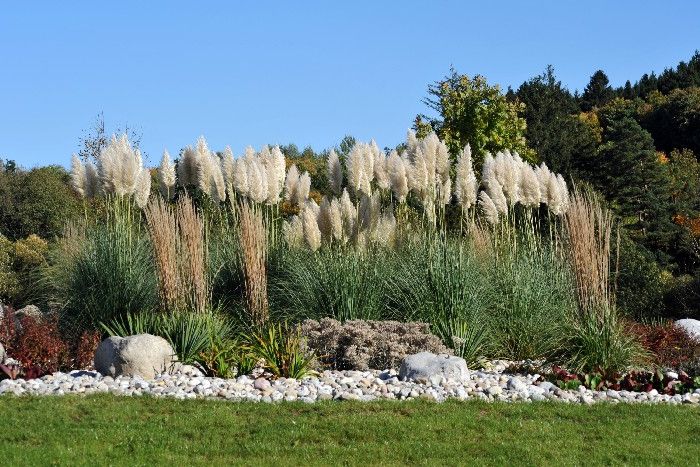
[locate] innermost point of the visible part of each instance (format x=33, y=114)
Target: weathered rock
x=32, y=311
x=261, y=384
x=140, y=355
x=425, y=365
x=691, y=326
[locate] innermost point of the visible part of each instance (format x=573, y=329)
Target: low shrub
x=84, y=349
x=361, y=345
x=669, y=345
x=39, y=345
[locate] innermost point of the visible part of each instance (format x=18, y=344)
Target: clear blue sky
x=302, y=72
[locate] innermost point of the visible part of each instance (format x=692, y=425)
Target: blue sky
x=251, y=73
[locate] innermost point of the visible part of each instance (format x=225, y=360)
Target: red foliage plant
x=39, y=346
x=670, y=345
x=84, y=351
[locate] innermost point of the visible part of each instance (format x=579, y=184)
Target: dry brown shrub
x=362, y=345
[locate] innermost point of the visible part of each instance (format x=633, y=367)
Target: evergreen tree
x=597, y=93
x=636, y=182
x=553, y=130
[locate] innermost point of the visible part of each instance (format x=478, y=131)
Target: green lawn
x=144, y=431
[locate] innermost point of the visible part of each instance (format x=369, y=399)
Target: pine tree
x=636, y=182
x=597, y=92
x=553, y=130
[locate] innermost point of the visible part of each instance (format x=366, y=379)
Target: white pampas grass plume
x=257, y=179
x=277, y=173
x=380, y=168
x=119, y=166
x=272, y=177
x=369, y=211
x=510, y=178
x=335, y=172
x=293, y=231
x=429, y=149
x=291, y=183
x=488, y=207
x=303, y=188
x=411, y=141
x=324, y=220
x=218, y=185
x=442, y=162
x=92, y=181
x=529, y=186
x=445, y=191
x=564, y=192
x=543, y=176
x=349, y=215
x=228, y=169
x=240, y=177
x=309, y=219
x=397, y=175
x=187, y=167
x=142, y=188
x=418, y=173
x=384, y=233
x=166, y=176
x=465, y=182
x=77, y=175
x=336, y=219
x=494, y=190
x=360, y=165
x=555, y=200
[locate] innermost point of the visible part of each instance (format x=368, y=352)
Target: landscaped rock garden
x=128, y=367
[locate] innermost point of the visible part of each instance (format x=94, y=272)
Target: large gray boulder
x=140, y=355
x=691, y=326
x=429, y=367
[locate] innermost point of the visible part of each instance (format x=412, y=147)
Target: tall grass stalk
x=253, y=238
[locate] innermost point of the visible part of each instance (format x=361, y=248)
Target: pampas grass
x=166, y=176
x=193, y=255
x=335, y=173
x=164, y=233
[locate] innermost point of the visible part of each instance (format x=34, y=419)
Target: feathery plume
x=324, y=220
x=488, y=207
x=359, y=161
x=92, y=181
x=142, y=188
x=445, y=191
x=336, y=220
x=291, y=183
x=309, y=219
x=380, y=168
x=529, y=186
x=293, y=231
x=303, y=188
x=257, y=179
x=228, y=169
x=543, y=175
x=240, y=177
x=77, y=175
x=166, y=176
x=465, y=182
x=349, y=214
x=187, y=167
x=555, y=200
x=442, y=162
x=397, y=175
x=386, y=227
x=335, y=172
x=277, y=173
x=119, y=166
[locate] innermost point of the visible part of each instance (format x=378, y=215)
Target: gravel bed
x=491, y=384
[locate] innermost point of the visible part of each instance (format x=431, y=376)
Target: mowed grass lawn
x=103, y=430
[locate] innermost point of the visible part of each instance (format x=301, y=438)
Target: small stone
x=261, y=383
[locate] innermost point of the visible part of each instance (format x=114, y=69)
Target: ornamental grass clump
x=252, y=237
x=596, y=338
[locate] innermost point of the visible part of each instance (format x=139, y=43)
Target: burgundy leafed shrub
x=39, y=346
x=84, y=352
x=670, y=346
